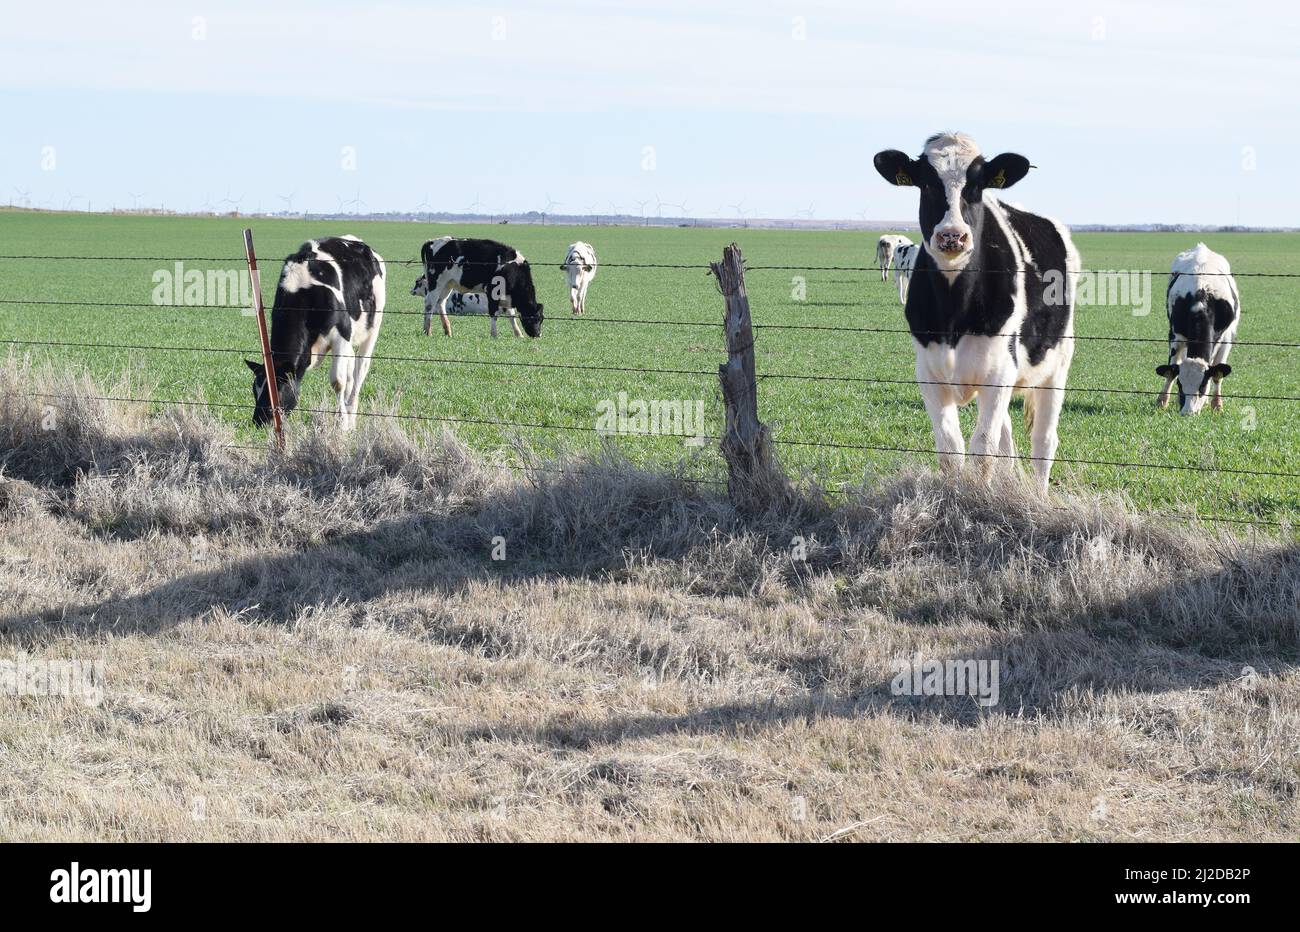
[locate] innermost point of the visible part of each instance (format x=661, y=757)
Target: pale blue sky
x=1134, y=112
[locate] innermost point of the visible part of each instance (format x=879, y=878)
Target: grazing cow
x=992, y=311
x=580, y=268
x=485, y=267
x=885, y=249
x=1204, y=311
x=904, y=262
x=330, y=300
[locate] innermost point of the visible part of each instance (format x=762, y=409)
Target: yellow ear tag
x=903, y=178
x=999, y=179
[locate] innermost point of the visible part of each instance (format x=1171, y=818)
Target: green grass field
x=1248, y=435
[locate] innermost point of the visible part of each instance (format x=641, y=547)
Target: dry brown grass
x=318, y=646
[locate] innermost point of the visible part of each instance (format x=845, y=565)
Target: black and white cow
x=991, y=303
x=458, y=303
x=330, y=299
x=1204, y=311
x=580, y=268
x=904, y=262
x=886, y=246
x=485, y=267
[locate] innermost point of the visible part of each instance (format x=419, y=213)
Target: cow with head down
x=1204, y=311
x=479, y=266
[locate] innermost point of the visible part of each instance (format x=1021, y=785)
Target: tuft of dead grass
x=319, y=645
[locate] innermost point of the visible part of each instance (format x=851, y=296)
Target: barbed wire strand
x=588, y=367
x=824, y=444
x=662, y=322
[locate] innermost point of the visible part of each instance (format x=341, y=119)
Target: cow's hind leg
x=360, y=369
x=341, y=376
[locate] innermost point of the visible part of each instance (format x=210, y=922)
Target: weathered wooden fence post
x=272, y=387
x=753, y=480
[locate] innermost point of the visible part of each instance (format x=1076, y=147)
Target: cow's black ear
x=1168, y=371
x=1219, y=370
x=257, y=367
x=896, y=167
x=1005, y=170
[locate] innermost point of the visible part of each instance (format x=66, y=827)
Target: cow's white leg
x=341, y=373
x=514, y=321
x=987, y=440
x=1007, y=443
x=582, y=295
x=948, y=442
x=573, y=299
x=1176, y=351
x=437, y=299
x=1042, y=436
x=360, y=369
x=1221, y=356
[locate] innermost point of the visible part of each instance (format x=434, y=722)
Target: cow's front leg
x=1162, y=400
x=948, y=442
x=987, y=441
x=514, y=321
x=1042, y=436
x=575, y=300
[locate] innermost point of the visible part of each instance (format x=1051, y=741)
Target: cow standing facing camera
x=991, y=301
x=1204, y=311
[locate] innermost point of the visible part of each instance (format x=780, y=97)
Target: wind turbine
x=72, y=198
x=550, y=203
x=806, y=214
x=358, y=204
x=739, y=208
x=24, y=196
x=135, y=199
x=288, y=201
x=424, y=206
x=207, y=206
x=232, y=201
x=474, y=205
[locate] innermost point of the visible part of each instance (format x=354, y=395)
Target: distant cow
x=330, y=299
x=904, y=262
x=992, y=310
x=886, y=246
x=485, y=267
x=1204, y=311
x=580, y=268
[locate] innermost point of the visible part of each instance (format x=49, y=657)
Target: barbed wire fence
x=461, y=418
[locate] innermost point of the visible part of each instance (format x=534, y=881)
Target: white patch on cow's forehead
x=951, y=154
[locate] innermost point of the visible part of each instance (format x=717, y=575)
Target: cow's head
x=1194, y=377
x=421, y=287
x=287, y=386
x=524, y=298
x=952, y=176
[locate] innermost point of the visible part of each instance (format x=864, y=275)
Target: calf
x=886, y=246
x=992, y=311
x=904, y=262
x=580, y=268
x=485, y=267
x=330, y=299
x=458, y=303
x=1204, y=311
